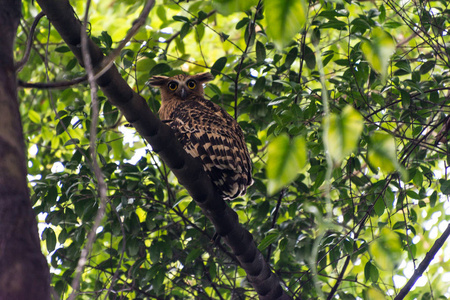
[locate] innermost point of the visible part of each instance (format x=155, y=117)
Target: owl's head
x=182, y=86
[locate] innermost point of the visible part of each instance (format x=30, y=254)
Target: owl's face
x=181, y=87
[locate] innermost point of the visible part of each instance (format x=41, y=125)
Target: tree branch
x=26, y=56
x=102, y=188
x=424, y=264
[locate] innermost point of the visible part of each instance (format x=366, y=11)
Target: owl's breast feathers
x=207, y=131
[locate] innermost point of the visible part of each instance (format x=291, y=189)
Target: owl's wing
x=208, y=132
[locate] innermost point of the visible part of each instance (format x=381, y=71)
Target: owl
x=206, y=131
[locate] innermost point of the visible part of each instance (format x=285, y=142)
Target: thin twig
x=196, y=22
x=274, y=220
x=102, y=189
x=52, y=85
x=19, y=66
x=208, y=276
x=124, y=244
x=251, y=28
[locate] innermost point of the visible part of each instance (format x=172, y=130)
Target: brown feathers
x=206, y=131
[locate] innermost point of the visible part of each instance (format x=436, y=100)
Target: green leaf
x=50, y=238
x=107, y=40
x=145, y=64
x=242, y=23
x=193, y=255
x=62, y=236
x=433, y=199
x=201, y=16
x=258, y=88
x=159, y=69
x=285, y=159
x=445, y=187
x=310, y=58
x=184, y=30
x=386, y=251
x=382, y=152
x=132, y=246
x=290, y=57
x=343, y=132
x=71, y=64
x=334, y=23
x=382, y=16
x=379, y=207
x=374, y=293
x=378, y=50
x=34, y=116
x=110, y=113
x=227, y=7
x=371, y=272
x=181, y=19
x=218, y=66
x=200, y=32
x=260, y=52
x=60, y=128
x=427, y=66
x=62, y=49
x=271, y=237
x=285, y=18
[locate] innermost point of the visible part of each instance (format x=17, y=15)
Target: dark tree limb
x=424, y=264
x=23, y=269
x=188, y=170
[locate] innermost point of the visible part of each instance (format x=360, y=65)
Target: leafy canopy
x=384, y=192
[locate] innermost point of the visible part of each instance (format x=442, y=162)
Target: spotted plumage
x=206, y=131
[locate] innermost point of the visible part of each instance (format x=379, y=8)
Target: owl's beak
x=183, y=93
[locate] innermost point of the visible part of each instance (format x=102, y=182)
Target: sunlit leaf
x=227, y=7
x=387, y=250
x=375, y=294
x=343, y=133
x=34, y=117
x=382, y=152
x=286, y=158
x=285, y=18
x=378, y=50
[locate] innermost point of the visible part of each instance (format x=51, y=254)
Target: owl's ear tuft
x=158, y=80
x=204, y=77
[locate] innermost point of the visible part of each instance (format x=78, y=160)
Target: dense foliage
x=344, y=109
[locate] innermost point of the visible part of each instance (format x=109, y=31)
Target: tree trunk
x=24, y=272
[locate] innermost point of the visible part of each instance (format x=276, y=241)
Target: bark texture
x=24, y=272
x=188, y=170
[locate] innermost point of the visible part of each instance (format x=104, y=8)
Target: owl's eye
x=191, y=84
x=173, y=85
